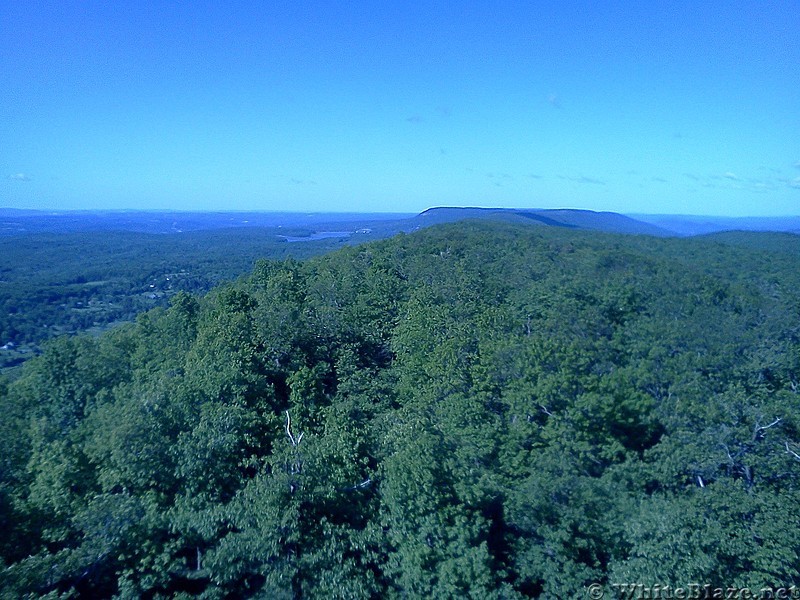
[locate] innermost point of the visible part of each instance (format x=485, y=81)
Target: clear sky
x=652, y=107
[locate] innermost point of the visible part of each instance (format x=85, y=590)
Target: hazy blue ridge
x=699, y=225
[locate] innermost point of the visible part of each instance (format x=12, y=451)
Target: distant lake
x=320, y=235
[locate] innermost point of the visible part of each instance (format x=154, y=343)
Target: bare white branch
x=792, y=452
x=728, y=452
x=759, y=429
x=294, y=440
x=366, y=483
x=775, y=422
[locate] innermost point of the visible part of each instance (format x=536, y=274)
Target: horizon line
x=58, y=211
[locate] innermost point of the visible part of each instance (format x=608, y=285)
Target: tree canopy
x=477, y=410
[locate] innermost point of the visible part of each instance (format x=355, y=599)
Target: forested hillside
x=476, y=410
x=84, y=271
x=78, y=281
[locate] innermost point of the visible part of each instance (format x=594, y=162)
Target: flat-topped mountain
x=571, y=218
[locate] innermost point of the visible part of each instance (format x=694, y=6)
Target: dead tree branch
x=294, y=440
x=359, y=486
x=792, y=452
x=759, y=429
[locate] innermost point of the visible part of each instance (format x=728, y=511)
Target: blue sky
x=638, y=107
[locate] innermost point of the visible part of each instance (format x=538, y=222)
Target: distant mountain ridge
x=689, y=225
x=364, y=226
x=570, y=218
